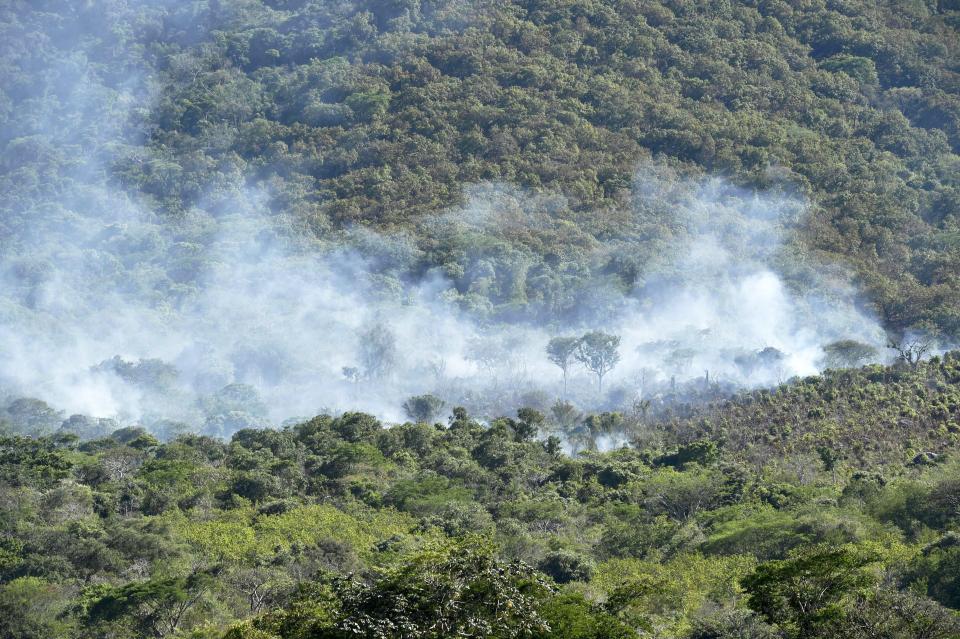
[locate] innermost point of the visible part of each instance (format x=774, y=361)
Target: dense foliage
x=378, y=112
x=763, y=519
x=528, y=161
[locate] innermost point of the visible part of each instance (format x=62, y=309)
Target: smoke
x=191, y=308
x=230, y=315
x=735, y=297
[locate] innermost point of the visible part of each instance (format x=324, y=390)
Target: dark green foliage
x=937, y=570
x=464, y=592
x=461, y=591
x=371, y=114
x=30, y=461
x=531, y=420
x=701, y=452
x=340, y=527
x=423, y=408
x=564, y=566
x=347, y=115
x=156, y=608
x=805, y=593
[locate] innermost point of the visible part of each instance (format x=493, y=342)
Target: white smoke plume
x=256, y=304
x=230, y=315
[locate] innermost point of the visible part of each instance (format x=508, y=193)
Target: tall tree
x=810, y=591
x=561, y=352
x=423, y=408
x=598, y=352
x=848, y=353
x=378, y=351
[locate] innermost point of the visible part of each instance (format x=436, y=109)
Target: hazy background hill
x=379, y=113
x=312, y=198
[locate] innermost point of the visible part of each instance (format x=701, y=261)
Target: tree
x=937, y=570
x=531, y=420
x=30, y=608
x=681, y=495
x=887, y=613
x=598, y=352
x=848, y=353
x=767, y=359
x=565, y=566
x=235, y=398
x=156, y=608
x=810, y=591
x=770, y=356
x=571, y=616
x=260, y=583
x=561, y=352
x=120, y=462
x=732, y=624
x=423, y=408
x=33, y=417
x=351, y=374
x=457, y=589
x=378, y=351
x=463, y=592
x=831, y=458
x=565, y=414
x=911, y=347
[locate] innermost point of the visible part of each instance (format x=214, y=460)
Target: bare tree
x=438, y=366
x=351, y=374
x=259, y=584
x=911, y=347
x=120, y=463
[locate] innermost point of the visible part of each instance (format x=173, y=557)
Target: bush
x=564, y=566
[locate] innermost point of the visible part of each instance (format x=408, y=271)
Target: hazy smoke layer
x=226, y=317
x=314, y=328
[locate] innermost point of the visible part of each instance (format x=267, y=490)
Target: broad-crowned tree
x=598, y=352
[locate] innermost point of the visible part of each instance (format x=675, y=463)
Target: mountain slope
x=379, y=113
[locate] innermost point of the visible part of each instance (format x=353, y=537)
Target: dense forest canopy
x=822, y=509
x=308, y=198
x=414, y=319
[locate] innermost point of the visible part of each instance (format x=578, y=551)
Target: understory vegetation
x=240, y=239
x=826, y=508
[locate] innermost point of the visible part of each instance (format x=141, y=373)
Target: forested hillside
x=826, y=509
x=379, y=113
x=421, y=319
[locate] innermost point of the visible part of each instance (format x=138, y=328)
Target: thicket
x=762, y=521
